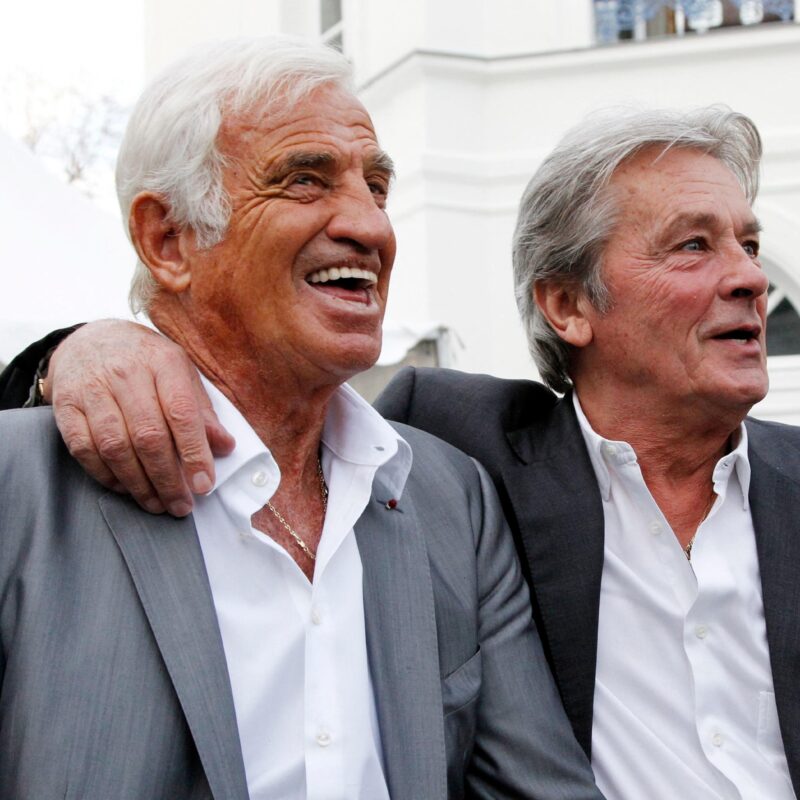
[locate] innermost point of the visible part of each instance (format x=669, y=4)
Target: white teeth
x=338, y=273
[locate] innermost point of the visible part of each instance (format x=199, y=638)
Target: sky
x=58, y=58
x=94, y=43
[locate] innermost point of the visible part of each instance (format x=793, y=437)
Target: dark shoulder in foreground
x=17, y=378
x=775, y=443
x=470, y=411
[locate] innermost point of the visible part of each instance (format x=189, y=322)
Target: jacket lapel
x=403, y=649
x=774, y=500
x=559, y=514
x=167, y=567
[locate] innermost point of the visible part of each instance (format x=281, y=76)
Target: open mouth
x=346, y=278
x=739, y=334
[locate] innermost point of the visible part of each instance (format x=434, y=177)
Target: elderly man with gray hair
x=656, y=524
x=343, y=615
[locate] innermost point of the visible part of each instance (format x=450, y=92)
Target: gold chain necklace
x=323, y=490
x=709, y=506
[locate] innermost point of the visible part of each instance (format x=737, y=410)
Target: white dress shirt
x=684, y=705
x=296, y=651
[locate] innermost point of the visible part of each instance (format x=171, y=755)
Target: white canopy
x=63, y=259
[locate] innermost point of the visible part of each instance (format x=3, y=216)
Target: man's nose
x=360, y=220
x=744, y=276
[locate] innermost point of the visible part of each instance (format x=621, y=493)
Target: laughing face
x=301, y=278
x=687, y=322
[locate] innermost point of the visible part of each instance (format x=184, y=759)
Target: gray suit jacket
x=113, y=681
x=531, y=445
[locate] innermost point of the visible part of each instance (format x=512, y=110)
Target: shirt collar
x=600, y=449
x=603, y=452
x=250, y=455
x=738, y=461
x=353, y=431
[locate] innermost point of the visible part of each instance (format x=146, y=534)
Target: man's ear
x=161, y=245
x=565, y=308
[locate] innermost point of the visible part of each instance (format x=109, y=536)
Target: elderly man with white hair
x=342, y=615
x=656, y=524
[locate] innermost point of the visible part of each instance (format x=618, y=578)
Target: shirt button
x=259, y=478
x=323, y=738
x=655, y=528
x=610, y=449
x=701, y=631
x=717, y=740
x=316, y=616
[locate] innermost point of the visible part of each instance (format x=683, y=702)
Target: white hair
x=566, y=214
x=170, y=144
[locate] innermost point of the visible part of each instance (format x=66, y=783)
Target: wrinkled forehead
x=669, y=164
x=325, y=112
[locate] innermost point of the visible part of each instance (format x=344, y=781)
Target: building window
x=783, y=324
x=331, y=25
x=619, y=20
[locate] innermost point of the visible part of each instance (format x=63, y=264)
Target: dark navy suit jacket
x=530, y=442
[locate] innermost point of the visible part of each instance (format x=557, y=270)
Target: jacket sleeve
x=524, y=745
x=17, y=379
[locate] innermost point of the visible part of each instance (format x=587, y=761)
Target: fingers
x=219, y=440
x=125, y=398
x=97, y=436
x=138, y=446
x=75, y=432
x=185, y=407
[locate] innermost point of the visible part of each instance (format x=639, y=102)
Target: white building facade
x=468, y=97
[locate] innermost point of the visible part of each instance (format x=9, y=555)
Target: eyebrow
x=753, y=227
x=304, y=160
x=684, y=221
x=380, y=161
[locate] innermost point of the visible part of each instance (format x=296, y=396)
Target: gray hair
x=566, y=214
x=170, y=143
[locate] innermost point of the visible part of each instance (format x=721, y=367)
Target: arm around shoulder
x=132, y=411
